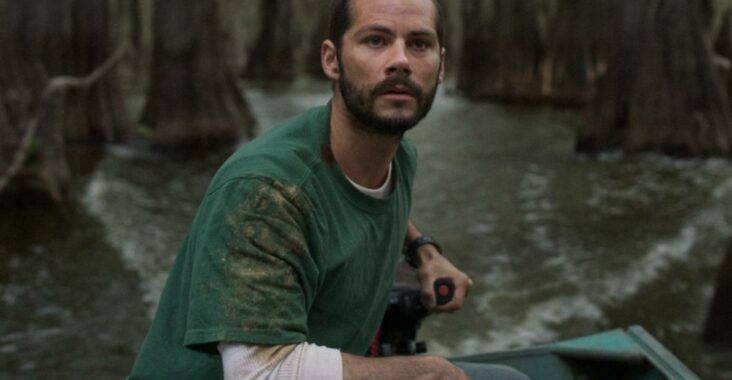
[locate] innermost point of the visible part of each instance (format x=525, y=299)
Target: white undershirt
x=302, y=361
x=380, y=193
x=292, y=362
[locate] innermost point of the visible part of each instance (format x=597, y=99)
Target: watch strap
x=410, y=250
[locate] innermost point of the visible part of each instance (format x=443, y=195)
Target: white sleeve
x=291, y=362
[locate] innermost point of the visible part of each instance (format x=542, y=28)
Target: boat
x=621, y=354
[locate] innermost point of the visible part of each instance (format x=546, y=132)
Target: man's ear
x=329, y=60
x=441, y=76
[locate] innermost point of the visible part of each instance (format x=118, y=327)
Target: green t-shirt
x=283, y=250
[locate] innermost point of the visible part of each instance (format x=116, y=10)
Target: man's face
x=390, y=64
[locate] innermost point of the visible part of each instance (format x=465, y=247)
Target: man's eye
x=420, y=44
x=375, y=41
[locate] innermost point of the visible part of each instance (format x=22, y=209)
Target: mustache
x=398, y=80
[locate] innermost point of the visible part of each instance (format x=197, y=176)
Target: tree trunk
x=318, y=34
x=273, y=56
x=39, y=156
x=136, y=28
x=21, y=84
x=21, y=77
x=577, y=38
x=501, y=50
x=723, y=47
x=661, y=92
x=194, y=100
x=452, y=21
x=10, y=136
x=717, y=327
x=73, y=37
x=38, y=115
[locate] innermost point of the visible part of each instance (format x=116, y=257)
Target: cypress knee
x=717, y=328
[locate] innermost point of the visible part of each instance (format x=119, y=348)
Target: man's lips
x=398, y=92
x=399, y=89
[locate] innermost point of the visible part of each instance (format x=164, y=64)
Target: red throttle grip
x=444, y=290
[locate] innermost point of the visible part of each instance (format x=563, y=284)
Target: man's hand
x=433, y=266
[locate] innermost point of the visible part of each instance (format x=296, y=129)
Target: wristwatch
x=410, y=250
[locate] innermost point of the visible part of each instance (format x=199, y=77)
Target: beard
x=360, y=103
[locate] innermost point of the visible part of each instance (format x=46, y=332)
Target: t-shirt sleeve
x=253, y=276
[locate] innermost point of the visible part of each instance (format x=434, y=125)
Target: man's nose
x=399, y=61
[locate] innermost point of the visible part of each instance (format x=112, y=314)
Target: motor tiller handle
x=444, y=290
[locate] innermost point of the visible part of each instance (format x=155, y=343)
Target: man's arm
x=431, y=266
x=400, y=367
x=306, y=361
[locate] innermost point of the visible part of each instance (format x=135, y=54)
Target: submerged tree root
x=44, y=127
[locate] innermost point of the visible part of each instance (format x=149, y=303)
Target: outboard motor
x=397, y=334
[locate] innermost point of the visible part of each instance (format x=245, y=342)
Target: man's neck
x=364, y=157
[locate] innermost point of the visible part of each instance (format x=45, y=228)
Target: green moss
x=34, y=148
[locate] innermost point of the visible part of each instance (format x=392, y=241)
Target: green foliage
x=146, y=132
x=34, y=148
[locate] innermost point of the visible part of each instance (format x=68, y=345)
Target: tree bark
x=273, y=56
x=719, y=319
x=661, y=92
x=193, y=99
x=502, y=50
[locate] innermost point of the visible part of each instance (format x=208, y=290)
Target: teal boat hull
x=627, y=354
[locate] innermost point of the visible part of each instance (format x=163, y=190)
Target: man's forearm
x=425, y=253
x=399, y=367
x=412, y=232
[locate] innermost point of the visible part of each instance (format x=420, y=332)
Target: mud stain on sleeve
x=267, y=237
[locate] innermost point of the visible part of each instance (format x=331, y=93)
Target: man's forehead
x=365, y=11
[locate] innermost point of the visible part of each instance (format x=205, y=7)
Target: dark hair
x=340, y=20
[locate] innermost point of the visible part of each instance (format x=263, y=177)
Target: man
x=290, y=259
